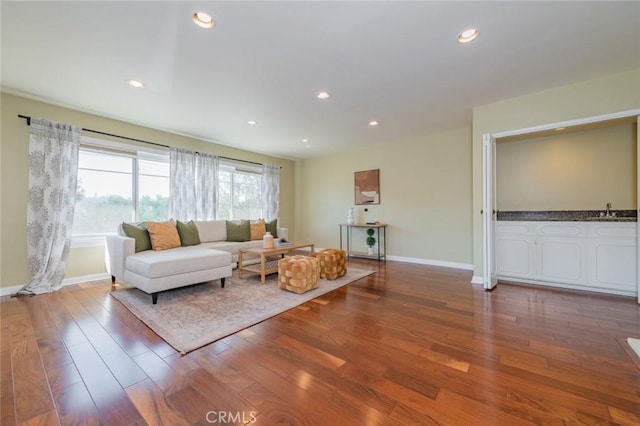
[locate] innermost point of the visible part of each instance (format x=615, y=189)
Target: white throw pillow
x=211, y=230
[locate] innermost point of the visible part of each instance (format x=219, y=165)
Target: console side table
x=382, y=241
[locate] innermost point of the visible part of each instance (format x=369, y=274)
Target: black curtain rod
x=28, y=119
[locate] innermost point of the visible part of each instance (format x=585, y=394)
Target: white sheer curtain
x=53, y=172
x=207, y=166
x=182, y=183
x=270, y=191
x=193, y=182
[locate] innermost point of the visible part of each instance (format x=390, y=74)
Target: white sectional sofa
x=213, y=235
x=155, y=271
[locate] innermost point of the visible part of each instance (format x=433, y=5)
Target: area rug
x=191, y=317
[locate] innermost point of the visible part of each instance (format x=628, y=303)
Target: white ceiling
x=395, y=62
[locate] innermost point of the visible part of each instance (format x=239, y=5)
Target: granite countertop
x=569, y=216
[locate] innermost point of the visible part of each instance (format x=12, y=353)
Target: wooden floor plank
x=49, y=418
x=479, y=410
x=191, y=404
x=75, y=406
x=307, y=351
x=112, y=403
x=227, y=375
x=152, y=404
x=272, y=408
x=30, y=383
x=165, y=377
x=64, y=376
x=7, y=401
x=52, y=349
x=221, y=398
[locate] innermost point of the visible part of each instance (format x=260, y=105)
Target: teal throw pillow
x=272, y=227
x=139, y=233
x=188, y=232
x=238, y=230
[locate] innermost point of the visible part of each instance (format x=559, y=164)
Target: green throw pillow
x=272, y=227
x=188, y=233
x=238, y=230
x=139, y=233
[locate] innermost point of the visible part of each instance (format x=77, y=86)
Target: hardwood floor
x=411, y=344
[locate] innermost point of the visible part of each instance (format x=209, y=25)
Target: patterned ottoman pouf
x=333, y=263
x=298, y=273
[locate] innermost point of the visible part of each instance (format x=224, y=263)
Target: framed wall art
x=367, y=187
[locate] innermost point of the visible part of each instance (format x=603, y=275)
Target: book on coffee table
x=279, y=244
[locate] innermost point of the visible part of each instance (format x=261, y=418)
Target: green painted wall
x=425, y=196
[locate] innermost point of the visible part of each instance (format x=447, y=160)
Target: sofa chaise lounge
x=206, y=251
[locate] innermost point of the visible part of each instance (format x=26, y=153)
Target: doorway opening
x=489, y=208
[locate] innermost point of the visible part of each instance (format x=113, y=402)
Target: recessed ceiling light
x=468, y=35
x=373, y=123
x=203, y=20
x=560, y=128
x=304, y=140
x=252, y=123
x=323, y=95
x=135, y=83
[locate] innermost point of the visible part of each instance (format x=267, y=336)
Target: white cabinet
x=597, y=256
x=561, y=260
x=561, y=252
x=515, y=249
x=612, y=257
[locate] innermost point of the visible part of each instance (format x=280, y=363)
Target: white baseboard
x=635, y=345
x=85, y=278
x=432, y=262
x=567, y=286
x=7, y=291
x=477, y=280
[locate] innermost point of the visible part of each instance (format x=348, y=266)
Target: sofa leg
x=154, y=298
x=222, y=282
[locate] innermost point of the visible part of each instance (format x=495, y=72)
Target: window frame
x=239, y=167
x=102, y=146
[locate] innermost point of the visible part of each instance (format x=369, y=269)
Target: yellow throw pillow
x=163, y=235
x=258, y=229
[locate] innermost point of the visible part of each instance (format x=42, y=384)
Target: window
x=117, y=184
x=153, y=190
x=104, y=195
x=239, y=193
x=115, y=187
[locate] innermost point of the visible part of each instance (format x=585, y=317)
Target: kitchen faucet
x=607, y=212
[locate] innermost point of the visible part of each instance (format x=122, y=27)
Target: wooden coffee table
x=266, y=266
